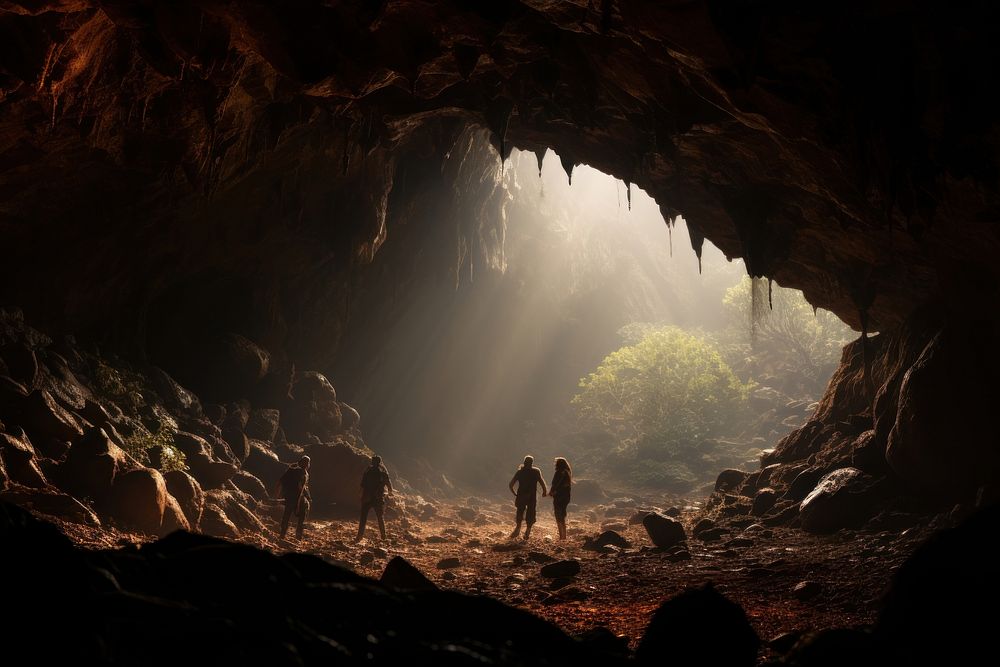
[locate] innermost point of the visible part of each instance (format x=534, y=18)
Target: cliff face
x=174, y=171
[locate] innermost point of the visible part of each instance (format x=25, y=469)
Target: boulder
x=249, y=484
x=699, y=627
x=263, y=464
x=560, y=568
x=44, y=419
x=201, y=463
x=174, y=396
x=663, y=531
x=763, y=501
x=215, y=522
x=842, y=499
x=449, y=563
x=12, y=394
x=263, y=424
x=588, y=492
x=350, y=418
x=92, y=465
x=238, y=443
x=401, y=575
x=335, y=477
x=22, y=364
x=18, y=458
x=52, y=502
x=608, y=537
x=138, y=500
x=173, y=517
x=231, y=365
x=313, y=410
x=188, y=493
x=730, y=480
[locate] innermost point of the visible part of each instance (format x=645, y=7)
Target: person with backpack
x=527, y=478
x=293, y=486
x=562, y=484
x=374, y=482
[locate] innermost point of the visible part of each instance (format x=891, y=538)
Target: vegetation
x=663, y=395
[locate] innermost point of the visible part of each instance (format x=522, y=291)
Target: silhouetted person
x=293, y=486
x=527, y=478
x=373, y=485
x=562, y=483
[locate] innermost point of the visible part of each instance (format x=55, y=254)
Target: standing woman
x=562, y=482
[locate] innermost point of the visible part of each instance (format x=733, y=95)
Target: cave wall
x=170, y=172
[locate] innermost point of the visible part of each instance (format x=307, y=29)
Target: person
x=527, y=478
x=293, y=486
x=374, y=482
x=562, y=482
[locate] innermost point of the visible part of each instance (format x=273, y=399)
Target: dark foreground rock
x=699, y=627
x=663, y=531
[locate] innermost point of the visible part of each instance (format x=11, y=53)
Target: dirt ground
x=619, y=589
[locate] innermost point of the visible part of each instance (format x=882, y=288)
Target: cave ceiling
x=848, y=149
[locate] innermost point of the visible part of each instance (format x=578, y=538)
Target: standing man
x=527, y=478
x=373, y=485
x=294, y=488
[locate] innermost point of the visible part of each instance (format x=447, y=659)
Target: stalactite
x=539, y=156
x=567, y=165
x=770, y=294
x=697, y=241
x=628, y=194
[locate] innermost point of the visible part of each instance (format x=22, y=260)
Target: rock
x=663, y=531
x=335, y=475
x=699, y=627
x=784, y=642
x=138, y=500
x=448, y=563
x=44, y=419
x=608, y=537
x=540, y=558
x=350, y=418
x=562, y=568
x=314, y=409
x=92, y=465
x=837, y=646
x=17, y=457
x=933, y=612
x=210, y=473
x=186, y=490
x=238, y=443
x=637, y=517
x=673, y=512
x=263, y=424
x=467, y=514
x=401, y=575
x=249, y=484
x=842, y=499
x=263, y=464
x=804, y=590
x=52, y=502
x=215, y=522
x=230, y=365
x=216, y=413
x=175, y=397
x=701, y=526
x=588, y=492
x=504, y=547
x=449, y=576
x=12, y=394
x=739, y=543
x=763, y=501
x=22, y=364
x=804, y=482
x=560, y=582
x=730, y=480
x=173, y=517
x=713, y=534
x=567, y=594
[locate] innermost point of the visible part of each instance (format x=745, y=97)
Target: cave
x=211, y=213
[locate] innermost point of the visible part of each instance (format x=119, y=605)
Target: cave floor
x=620, y=590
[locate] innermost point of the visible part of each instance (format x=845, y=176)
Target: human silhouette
x=527, y=478
x=293, y=486
x=562, y=483
x=374, y=482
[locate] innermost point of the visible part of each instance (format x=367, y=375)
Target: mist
x=471, y=375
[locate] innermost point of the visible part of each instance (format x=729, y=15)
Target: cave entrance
x=596, y=334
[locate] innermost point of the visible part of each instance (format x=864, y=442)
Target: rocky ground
x=787, y=580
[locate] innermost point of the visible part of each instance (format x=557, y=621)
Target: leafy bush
x=669, y=390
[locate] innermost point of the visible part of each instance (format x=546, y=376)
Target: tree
x=778, y=332
x=671, y=390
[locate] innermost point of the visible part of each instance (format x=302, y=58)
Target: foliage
x=120, y=386
x=669, y=390
x=775, y=331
